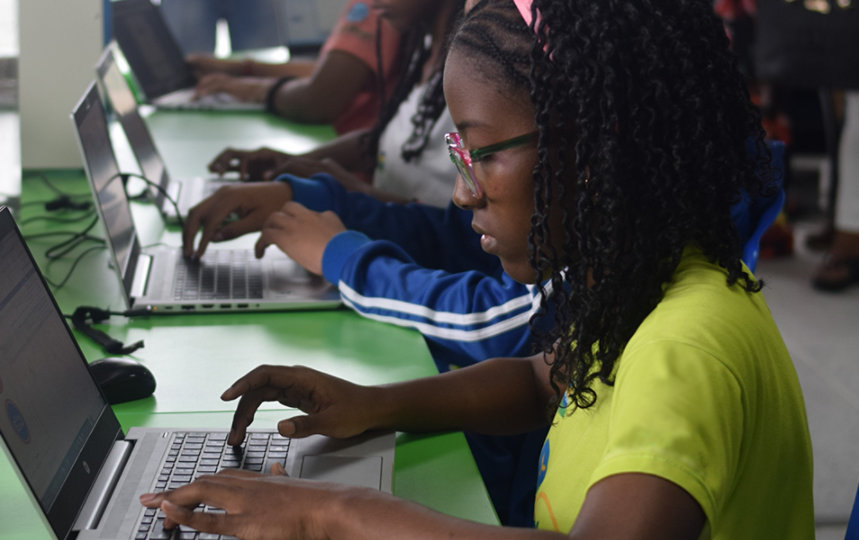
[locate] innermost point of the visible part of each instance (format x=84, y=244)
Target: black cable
x=67, y=245
x=63, y=200
x=56, y=219
x=156, y=185
x=61, y=283
x=38, y=236
x=85, y=316
x=44, y=178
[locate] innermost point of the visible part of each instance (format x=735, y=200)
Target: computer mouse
x=122, y=379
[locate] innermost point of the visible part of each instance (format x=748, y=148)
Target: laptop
x=69, y=450
x=161, y=279
x=184, y=192
x=157, y=61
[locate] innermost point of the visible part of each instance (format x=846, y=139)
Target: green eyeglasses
x=464, y=158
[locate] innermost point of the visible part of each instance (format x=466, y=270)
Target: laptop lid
x=63, y=437
x=283, y=283
x=125, y=107
x=103, y=170
x=56, y=425
x=151, y=49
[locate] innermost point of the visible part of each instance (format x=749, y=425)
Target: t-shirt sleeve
x=689, y=434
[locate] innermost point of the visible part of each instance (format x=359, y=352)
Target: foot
x=821, y=240
x=840, y=268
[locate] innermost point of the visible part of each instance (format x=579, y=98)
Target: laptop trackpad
x=352, y=471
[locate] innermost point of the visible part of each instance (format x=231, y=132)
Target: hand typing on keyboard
x=250, y=504
x=195, y=455
x=300, y=233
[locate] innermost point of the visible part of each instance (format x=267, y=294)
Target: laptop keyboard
x=197, y=454
x=219, y=275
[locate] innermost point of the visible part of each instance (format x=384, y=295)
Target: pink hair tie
x=524, y=7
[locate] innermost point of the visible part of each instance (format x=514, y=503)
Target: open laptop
x=184, y=192
x=69, y=449
x=162, y=279
x=157, y=62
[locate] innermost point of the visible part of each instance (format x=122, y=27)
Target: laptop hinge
x=141, y=276
x=103, y=487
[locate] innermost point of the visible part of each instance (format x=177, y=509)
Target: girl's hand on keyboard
x=255, y=506
x=300, y=233
x=333, y=406
x=251, y=204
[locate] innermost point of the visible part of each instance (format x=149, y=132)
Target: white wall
x=60, y=41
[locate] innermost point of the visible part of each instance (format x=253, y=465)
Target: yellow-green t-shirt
x=706, y=396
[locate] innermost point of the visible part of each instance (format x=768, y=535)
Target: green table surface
x=195, y=357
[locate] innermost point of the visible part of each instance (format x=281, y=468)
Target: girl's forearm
x=499, y=396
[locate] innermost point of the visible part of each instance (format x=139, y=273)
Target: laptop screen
x=123, y=104
x=103, y=173
x=151, y=50
x=51, y=405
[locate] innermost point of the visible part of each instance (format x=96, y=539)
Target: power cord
x=60, y=284
x=85, y=316
x=59, y=250
x=63, y=201
x=126, y=175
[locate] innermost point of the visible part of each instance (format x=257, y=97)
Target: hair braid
x=643, y=120
x=414, y=53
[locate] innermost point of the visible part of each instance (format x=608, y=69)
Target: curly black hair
x=643, y=123
x=412, y=56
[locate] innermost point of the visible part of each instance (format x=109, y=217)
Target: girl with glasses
x=673, y=405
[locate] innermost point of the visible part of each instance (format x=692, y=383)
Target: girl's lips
x=488, y=243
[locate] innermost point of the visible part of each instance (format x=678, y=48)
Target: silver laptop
x=185, y=192
x=157, y=62
x=69, y=449
x=161, y=279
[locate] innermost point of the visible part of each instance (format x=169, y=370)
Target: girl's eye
x=484, y=158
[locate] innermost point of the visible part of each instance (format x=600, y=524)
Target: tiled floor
x=822, y=334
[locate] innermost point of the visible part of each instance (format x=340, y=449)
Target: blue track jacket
x=422, y=267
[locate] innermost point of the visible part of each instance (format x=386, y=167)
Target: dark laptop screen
x=51, y=405
x=151, y=50
x=138, y=135
x=103, y=172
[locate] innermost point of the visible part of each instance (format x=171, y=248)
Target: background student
x=403, y=157
x=252, y=24
x=675, y=402
x=345, y=87
x=840, y=266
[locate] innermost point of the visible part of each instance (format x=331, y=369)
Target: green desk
x=212, y=350
x=188, y=140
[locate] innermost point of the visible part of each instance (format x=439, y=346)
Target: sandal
x=836, y=274
x=821, y=240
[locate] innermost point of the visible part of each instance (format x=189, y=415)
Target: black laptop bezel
x=134, y=126
x=89, y=101
x=174, y=75
x=106, y=431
